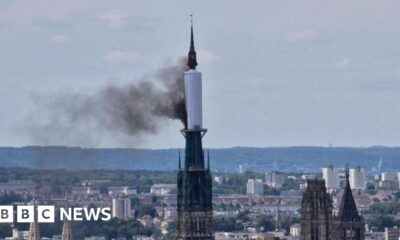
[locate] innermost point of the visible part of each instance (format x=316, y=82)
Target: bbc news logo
x=47, y=214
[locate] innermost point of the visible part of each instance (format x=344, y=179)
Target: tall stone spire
x=348, y=224
x=348, y=209
x=278, y=220
x=67, y=228
x=67, y=231
x=34, y=230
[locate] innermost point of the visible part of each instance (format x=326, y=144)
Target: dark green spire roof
x=348, y=209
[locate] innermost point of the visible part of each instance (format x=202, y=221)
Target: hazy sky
x=275, y=73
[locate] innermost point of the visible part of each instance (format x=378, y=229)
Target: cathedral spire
x=67, y=228
x=348, y=224
x=278, y=224
x=34, y=230
x=348, y=209
x=192, y=60
x=194, y=180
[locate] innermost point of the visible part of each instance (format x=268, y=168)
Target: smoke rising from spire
x=132, y=110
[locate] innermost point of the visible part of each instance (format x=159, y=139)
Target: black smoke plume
x=132, y=109
x=137, y=108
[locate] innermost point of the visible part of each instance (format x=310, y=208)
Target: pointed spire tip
x=192, y=59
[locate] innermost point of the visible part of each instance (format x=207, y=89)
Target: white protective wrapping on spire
x=193, y=99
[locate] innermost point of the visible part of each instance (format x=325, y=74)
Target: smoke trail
x=138, y=108
x=133, y=109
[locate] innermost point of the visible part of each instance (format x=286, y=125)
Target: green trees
x=145, y=209
x=271, y=191
x=382, y=221
x=264, y=223
x=10, y=198
x=5, y=230
x=385, y=208
x=112, y=229
x=226, y=224
x=384, y=215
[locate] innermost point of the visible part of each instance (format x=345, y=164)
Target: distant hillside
x=258, y=159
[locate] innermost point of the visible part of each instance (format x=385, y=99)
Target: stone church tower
x=316, y=212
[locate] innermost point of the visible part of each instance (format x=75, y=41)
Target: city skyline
x=330, y=77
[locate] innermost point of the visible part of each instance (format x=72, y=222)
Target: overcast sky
x=275, y=73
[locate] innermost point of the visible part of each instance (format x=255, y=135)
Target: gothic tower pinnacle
x=348, y=224
x=34, y=230
x=67, y=228
x=192, y=59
